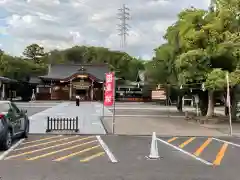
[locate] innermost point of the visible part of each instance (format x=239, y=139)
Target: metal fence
x=62, y=124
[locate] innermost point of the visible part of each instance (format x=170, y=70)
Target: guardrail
x=62, y=124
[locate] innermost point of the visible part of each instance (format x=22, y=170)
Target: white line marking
x=106, y=149
x=37, y=106
x=143, y=115
x=220, y=140
x=3, y=155
x=185, y=152
x=149, y=108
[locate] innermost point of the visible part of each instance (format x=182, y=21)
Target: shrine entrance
x=82, y=93
x=82, y=88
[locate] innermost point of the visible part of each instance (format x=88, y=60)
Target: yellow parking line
x=50, y=147
x=172, y=139
x=45, y=143
x=43, y=139
x=202, y=147
x=92, y=157
x=76, y=153
x=61, y=150
x=187, y=142
x=220, y=154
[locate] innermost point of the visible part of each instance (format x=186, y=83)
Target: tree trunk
x=179, y=104
x=203, y=102
x=210, y=111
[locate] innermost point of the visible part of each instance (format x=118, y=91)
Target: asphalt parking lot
x=126, y=149
x=58, y=148
x=121, y=157
x=71, y=156
x=208, y=150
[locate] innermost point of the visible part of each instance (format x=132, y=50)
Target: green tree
x=18, y=68
x=34, y=52
x=162, y=68
x=210, y=42
x=201, y=46
x=1, y=52
x=124, y=65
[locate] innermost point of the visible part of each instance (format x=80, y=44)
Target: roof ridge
x=83, y=64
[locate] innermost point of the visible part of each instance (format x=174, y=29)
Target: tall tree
x=210, y=45
x=201, y=46
x=34, y=52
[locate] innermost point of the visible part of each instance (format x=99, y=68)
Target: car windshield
x=4, y=107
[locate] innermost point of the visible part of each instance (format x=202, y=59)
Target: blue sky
x=61, y=24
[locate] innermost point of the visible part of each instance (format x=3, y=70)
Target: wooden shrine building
x=65, y=81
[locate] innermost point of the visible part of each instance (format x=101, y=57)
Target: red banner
x=109, y=89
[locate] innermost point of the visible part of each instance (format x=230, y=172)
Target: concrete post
x=92, y=92
x=70, y=90
x=3, y=91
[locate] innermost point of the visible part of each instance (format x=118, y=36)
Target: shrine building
x=65, y=81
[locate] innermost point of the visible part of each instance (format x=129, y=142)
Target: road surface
x=125, y=157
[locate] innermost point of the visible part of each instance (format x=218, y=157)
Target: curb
x=105, y=126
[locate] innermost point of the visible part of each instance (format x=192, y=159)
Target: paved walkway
x=224, y=128
x=162, y=126
x=143, y=119
x=88, y=114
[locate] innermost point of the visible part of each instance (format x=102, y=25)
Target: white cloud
x=64, y=23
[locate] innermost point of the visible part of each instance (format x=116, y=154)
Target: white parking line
x=220, y=140
x=107, y=150
x=185, y=152
x=3, y=155
x=35, y=106
x=144, y=115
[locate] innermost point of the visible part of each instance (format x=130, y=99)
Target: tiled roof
x=34, y=80
x=62, y=71
x=7, y=80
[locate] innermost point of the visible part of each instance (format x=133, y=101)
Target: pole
x=229, y=104
x=197, y=108
x=103, y=100
x=113, y=117
x=168, y=96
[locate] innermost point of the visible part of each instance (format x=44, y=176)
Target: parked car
x=14, y=123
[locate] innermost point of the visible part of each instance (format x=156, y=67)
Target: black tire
x=7, y=142
x=26, y=131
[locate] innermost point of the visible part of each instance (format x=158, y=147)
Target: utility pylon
x=123, y=27
x=212, y=5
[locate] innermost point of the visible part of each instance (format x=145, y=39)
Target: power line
x=123, y=27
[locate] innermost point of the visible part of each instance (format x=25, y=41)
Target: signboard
x=81, y=84
x=82, y=76
x=43, y=86
x=236, y=111
x=159, y=95
x=109, y=89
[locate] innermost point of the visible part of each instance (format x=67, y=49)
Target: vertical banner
x=109, y=89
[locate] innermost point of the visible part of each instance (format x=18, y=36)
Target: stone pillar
x=92, y=90
x=92, y=93
x=3, y=94
x=33, y=98
x=70, y=90
x=50, y=90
